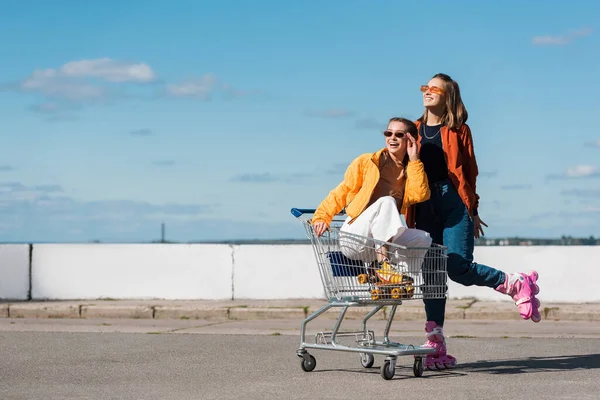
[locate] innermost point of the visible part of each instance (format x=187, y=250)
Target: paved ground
x=202, y=359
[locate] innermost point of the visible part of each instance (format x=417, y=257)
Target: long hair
x=412, y=130
x=455, y=113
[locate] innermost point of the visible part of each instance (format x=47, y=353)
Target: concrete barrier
x=14, y=271
x=221, y=272
x=567, y=273
x=276, y=272
x=131, y=271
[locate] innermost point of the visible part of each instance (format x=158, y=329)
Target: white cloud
x=201, y=87
x=52, y=84
x=580, y=171
x=109, y=70
x=562, y=39
x=71, y=80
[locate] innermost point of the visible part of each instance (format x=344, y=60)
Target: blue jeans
x=447, y=220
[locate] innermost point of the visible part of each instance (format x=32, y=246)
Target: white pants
x=382, y=221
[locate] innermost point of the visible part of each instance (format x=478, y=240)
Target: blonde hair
x=455, y=113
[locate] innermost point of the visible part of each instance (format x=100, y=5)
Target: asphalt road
x=62, y=359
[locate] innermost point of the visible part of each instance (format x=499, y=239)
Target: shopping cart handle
x=297, y=212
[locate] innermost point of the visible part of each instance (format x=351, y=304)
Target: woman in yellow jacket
x=376, y=191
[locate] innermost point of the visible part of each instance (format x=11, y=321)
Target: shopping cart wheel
x=418, y=367
x=308, y=362
x=367, y=360
x=388, y=369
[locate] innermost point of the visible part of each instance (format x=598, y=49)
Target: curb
x=284, y=309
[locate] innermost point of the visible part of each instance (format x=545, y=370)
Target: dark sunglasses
x=399, y=135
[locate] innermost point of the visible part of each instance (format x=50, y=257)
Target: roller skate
x=523, y=288
x=436, y=340
x=388, y=281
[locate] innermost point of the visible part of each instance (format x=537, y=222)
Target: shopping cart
x=412, y=274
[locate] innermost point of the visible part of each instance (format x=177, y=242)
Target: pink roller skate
x=436, y=340
x=523, y=288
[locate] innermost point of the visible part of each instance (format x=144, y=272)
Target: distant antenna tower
x=162, y=232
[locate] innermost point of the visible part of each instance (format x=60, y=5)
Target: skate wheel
x=308, y=362
x=367, y=360
x=534, y=274
x=397, y=293
x=418, y=367
x=535, y=290
x=410, y=291
x=387, y=370
x=450, y=364
x=362, y=278
x=375, y=294
x=536, y=318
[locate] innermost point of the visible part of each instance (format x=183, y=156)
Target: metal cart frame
x=344, y=292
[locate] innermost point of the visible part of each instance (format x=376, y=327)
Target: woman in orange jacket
x=451, y=215
x=377, y=189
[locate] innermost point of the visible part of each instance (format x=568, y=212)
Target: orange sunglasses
x=432, y=89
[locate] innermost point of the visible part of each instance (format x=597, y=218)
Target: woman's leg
x=429, y=217
x=381, y=221
x=417, y=243
x=429, y=220
x=459, y=238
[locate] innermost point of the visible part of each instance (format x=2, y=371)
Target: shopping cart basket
x=352, y=277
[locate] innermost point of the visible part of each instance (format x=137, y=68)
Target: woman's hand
x=411, y=148
x=477, y=222
x=320, y=228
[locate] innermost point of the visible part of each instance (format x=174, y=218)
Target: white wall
x=220, y=272
x=276, y=272
x=566, y=273
x=169, y=271
x=14, y=271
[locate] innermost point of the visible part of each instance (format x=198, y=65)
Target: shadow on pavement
x=402, y=372
x=534, y=364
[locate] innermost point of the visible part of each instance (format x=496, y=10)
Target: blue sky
x=217, y=117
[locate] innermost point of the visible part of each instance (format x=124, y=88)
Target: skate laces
x=514, y=283
x=513, y=278
x=436, y=335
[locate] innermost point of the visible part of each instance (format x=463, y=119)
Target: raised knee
x=425, y=239
x=387, y=201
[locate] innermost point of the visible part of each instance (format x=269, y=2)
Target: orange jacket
x=360, y=180
x=462, y=167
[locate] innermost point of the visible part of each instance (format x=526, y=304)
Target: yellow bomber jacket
x=360, y=179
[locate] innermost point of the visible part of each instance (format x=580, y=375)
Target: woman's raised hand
x=411, y=148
